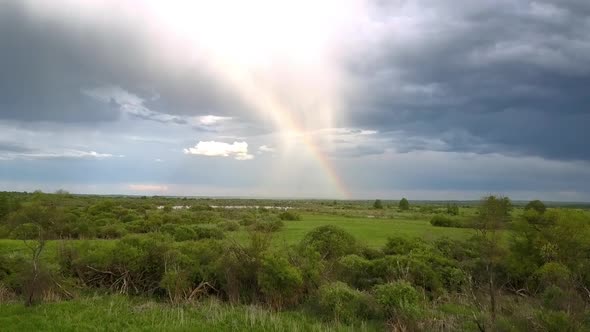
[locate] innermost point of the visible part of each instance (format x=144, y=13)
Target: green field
x=176, y=264
x=371, y=232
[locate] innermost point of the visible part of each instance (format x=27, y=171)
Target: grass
x=117, y=313
x=372, y=232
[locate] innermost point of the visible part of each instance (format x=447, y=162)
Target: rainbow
x=265, y=103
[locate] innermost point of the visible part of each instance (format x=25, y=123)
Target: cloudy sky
x=328, y=99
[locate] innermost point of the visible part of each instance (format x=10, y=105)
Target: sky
x=347, y=99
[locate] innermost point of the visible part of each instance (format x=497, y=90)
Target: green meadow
x=93, y=263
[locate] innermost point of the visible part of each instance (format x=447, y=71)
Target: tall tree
x=404, y=205
x=536, y=205
x=494, y=212
x=378, y=204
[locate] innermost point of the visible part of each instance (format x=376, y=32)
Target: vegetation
x=139, y=263
x=404, y=205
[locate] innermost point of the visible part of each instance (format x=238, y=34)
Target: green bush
x=330, y=241
x=442, y=221
x=399, y=300
x=177, y=285
x=229, y=226
x=536, y=205
x=404, y=205
x=112, y=231
x=557, y=321
x=279, y=281
x=553, y=274
x=354, y=270
x=400, y=267
x=208, y=233
x=268, y=226
x=341, y=303
x=398, y=245
x=289, y=216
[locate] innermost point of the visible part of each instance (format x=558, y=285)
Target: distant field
x=369, y=231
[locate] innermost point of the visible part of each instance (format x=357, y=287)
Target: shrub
x=556, y=321
x=404, y=205
x=553, y=274
x=177, y=285
x=113, y=231
x=398, y=245
x=452, y=209
x=248, y=220
x=442, y=221
x=208, y=233
x=343, y=304
x=289, y=215
x=354, y=270
x=399, y=267
x=268, y=226
x=399, y=300
x=536, y=205
x=230, y=226
x=330, y=241
x=378, y=204
x=279, y=281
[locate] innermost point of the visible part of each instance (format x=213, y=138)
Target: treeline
x=63, y=216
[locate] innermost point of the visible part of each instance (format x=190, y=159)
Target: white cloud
x=265, y=148
x=63, y=154
x=238, y=150
x=147, y=187
x=209, y=120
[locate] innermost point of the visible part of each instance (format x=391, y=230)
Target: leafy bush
x=397, y=245
x=557, y=321
x=536, y=205
x=442, y=221
x=553, y=274
x=230, y=226
x=208, y=233
x=399, y=300
x=355, y=270
x=113, y=231
x=344, y=304
x=404, y=205
x=400, y=267
x=330, y=241
x=279, y=281
x=268, y=226
x=289, y=216
x=378, y=204
x=177, y=285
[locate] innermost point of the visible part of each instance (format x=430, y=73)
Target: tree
x=404, y=205
x=378, y=204
x=494, y=212
x=452, y=209
x=33, y=224
x=536, y=205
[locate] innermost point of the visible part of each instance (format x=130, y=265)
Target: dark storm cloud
x=47, y=61
x=12, y=147
x=510, y=77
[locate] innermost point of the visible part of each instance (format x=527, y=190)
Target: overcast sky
x=334, y=99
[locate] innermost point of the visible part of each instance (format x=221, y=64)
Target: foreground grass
x=117, y=313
